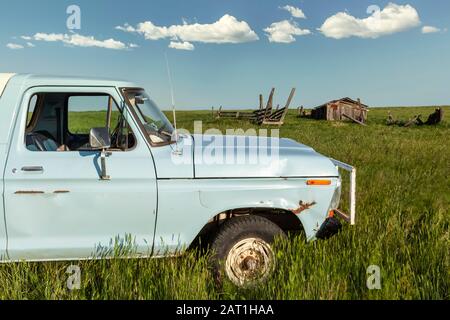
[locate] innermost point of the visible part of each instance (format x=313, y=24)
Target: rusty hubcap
x=249, y=261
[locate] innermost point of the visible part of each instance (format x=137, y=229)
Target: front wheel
x=243, y=250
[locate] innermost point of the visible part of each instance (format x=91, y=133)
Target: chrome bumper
x=350, y=218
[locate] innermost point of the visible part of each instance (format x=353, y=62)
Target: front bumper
x=330, y=227
x=350, y=217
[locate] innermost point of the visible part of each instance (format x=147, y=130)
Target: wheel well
x=284, y=219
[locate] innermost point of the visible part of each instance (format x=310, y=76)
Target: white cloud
x=181, y=45
x=149, y=30
x=133, y=45
x=393, y=18
x=14, y=46
x=126, y=27
x=284, y=31
x=226, y=30
x=49, y=37
x=430, y=29
x=26, y=38
x=83, y=41
x=30, y=45
x=295, y=12
x=78, y=40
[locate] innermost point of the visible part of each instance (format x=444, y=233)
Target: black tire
x=253, y=232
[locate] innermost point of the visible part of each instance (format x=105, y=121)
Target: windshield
x=156, y=124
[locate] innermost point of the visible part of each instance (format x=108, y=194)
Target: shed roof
x=347, y=100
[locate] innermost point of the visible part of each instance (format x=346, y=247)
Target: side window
x=44, y=130
x=31, y=109
x=87, y=112
x=62, y=122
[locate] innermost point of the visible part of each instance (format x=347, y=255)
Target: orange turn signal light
x=318, y=182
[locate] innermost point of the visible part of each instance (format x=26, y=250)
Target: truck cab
x=87, y=163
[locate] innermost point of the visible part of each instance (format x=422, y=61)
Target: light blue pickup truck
x=86, y=161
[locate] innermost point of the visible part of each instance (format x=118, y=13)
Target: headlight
x=335, y=201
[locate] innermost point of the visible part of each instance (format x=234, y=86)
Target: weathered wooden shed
x=342, y=110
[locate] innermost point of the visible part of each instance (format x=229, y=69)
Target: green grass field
x=403, y=219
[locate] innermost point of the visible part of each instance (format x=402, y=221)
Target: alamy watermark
x=74, y=278
x=74, y=19
x=232, y=147
x=372, y=9
x=373, y=277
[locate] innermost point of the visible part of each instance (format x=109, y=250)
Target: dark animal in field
x=435, y=117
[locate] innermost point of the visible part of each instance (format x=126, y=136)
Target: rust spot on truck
x=61, y=191
x=303, y=206
x=29, y=192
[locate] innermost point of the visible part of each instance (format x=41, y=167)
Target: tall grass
x=402, y=226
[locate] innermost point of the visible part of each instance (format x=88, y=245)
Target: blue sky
x=383, y=57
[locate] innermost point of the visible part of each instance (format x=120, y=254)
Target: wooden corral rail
x=277, y=117
x=265, y=115
x=234, y=114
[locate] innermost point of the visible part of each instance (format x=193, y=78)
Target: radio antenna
x=172, y=94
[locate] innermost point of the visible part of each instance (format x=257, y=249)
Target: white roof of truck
x=4, y=78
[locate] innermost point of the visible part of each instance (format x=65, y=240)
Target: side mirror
x=99, y=138
x=140, y=99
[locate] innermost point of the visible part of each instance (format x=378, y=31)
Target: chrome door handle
x=33, y=169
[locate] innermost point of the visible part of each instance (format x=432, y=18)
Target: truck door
x=57, y=207
x=3, y=256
